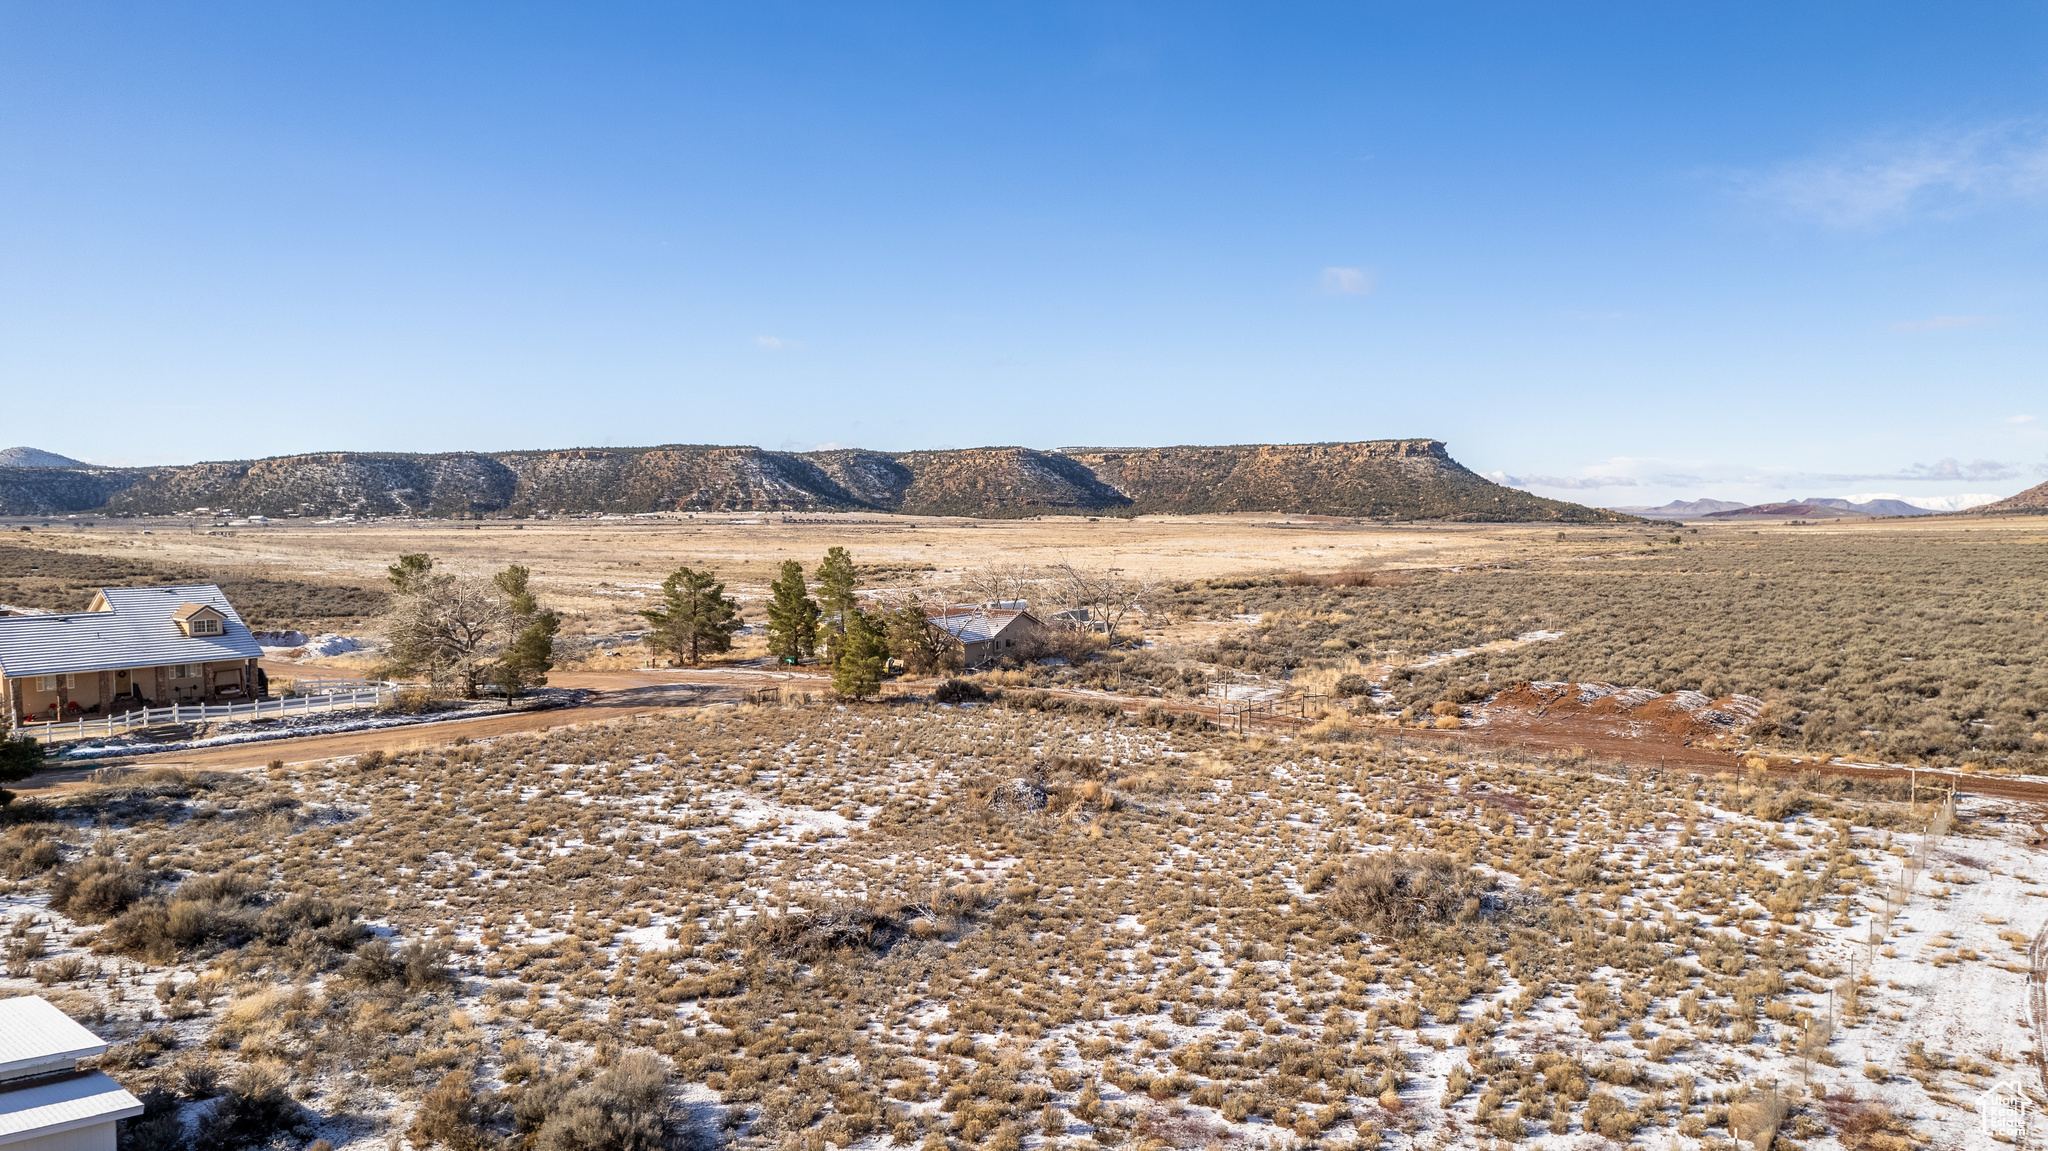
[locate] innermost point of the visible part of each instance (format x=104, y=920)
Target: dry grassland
x=990, y=927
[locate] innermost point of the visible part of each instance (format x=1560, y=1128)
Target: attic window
x=204, y=626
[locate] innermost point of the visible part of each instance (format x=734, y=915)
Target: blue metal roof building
x=159, y=645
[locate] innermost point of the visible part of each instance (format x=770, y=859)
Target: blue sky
x=1617, y=253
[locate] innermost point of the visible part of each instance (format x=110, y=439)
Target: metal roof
x=975, y=626
x=136, y=630
x=33, y=1033
x=49, y=1107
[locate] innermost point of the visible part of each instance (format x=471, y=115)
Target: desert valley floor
x=1572, y=837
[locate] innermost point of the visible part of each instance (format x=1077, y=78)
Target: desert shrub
x=623, y=1109
x=158, y=1128
x=1402, y=889
x=808, y=935
x=204, y=914
x=453, y=1115
x=406, y=701
x=330, y=922
x=958, y=691
x=255, y=1109
x=96, y=889
x=27, y=850
x=1867, y=1125
x=418, y=966
x=1352, y=684
x=1756, y=1118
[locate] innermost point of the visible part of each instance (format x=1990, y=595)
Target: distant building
x=986, y=634
x=132, y=647
x=46, y=1102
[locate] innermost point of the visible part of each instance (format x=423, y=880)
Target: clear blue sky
x=1619, y=252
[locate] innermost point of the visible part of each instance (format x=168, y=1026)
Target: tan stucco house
x=987, y=634
x=132, y=647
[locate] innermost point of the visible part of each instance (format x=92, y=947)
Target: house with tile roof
x=131, y=647
x=46, y=1102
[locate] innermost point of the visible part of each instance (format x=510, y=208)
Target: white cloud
x=1566, y=483
x=777, y=343
x=2019, y=419
x=1349, y=282
x=1886, y=180
x=1942, y=323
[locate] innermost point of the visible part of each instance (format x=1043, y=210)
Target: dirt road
x=625, y=694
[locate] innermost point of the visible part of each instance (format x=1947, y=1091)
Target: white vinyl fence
x=311, y=696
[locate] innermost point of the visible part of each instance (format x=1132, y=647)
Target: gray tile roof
x=137, y=630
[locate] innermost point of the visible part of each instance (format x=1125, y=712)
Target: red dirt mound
x=1625, y=711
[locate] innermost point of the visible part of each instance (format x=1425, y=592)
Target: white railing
x=370, y=693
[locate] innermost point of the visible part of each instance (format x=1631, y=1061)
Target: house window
x=205, y=627
x=185, y=671
x=53, y=682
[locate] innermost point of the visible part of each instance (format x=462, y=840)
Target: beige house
x=132, y=647
x=987, y=634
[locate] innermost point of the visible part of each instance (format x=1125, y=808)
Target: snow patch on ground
x=297, y=648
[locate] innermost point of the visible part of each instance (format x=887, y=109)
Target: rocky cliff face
x=45, y=491
x=1397, y=479
x=2032, y=502
x=1374, y=479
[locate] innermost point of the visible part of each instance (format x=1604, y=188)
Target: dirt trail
x=625, y=694
x=2037, y=1000
x=632, y=697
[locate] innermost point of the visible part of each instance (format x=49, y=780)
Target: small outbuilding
x=46, y=1102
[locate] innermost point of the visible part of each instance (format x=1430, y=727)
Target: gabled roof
x=64, y=1103
x=139, y=628
x=34, y=1034
x=188, y=610
x=977, y=625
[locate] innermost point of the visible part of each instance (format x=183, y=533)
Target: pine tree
x=792, y=616
x=914, y=639
x=836, y=580
x=529, y=657
x=695, y=617
x=409, y=575
x=857, y=672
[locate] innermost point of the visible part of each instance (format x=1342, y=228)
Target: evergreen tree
x=695, y=617
x=914, y=639
x=857, y=672
x=410, y=574
x=836, y=580
x=529, y=657
x=792, y=616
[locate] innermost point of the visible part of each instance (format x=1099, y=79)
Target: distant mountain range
x=1372, y=479
x=1813, y=507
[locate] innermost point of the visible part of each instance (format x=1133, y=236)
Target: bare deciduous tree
x=1001, y=582
x=1108, y=594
